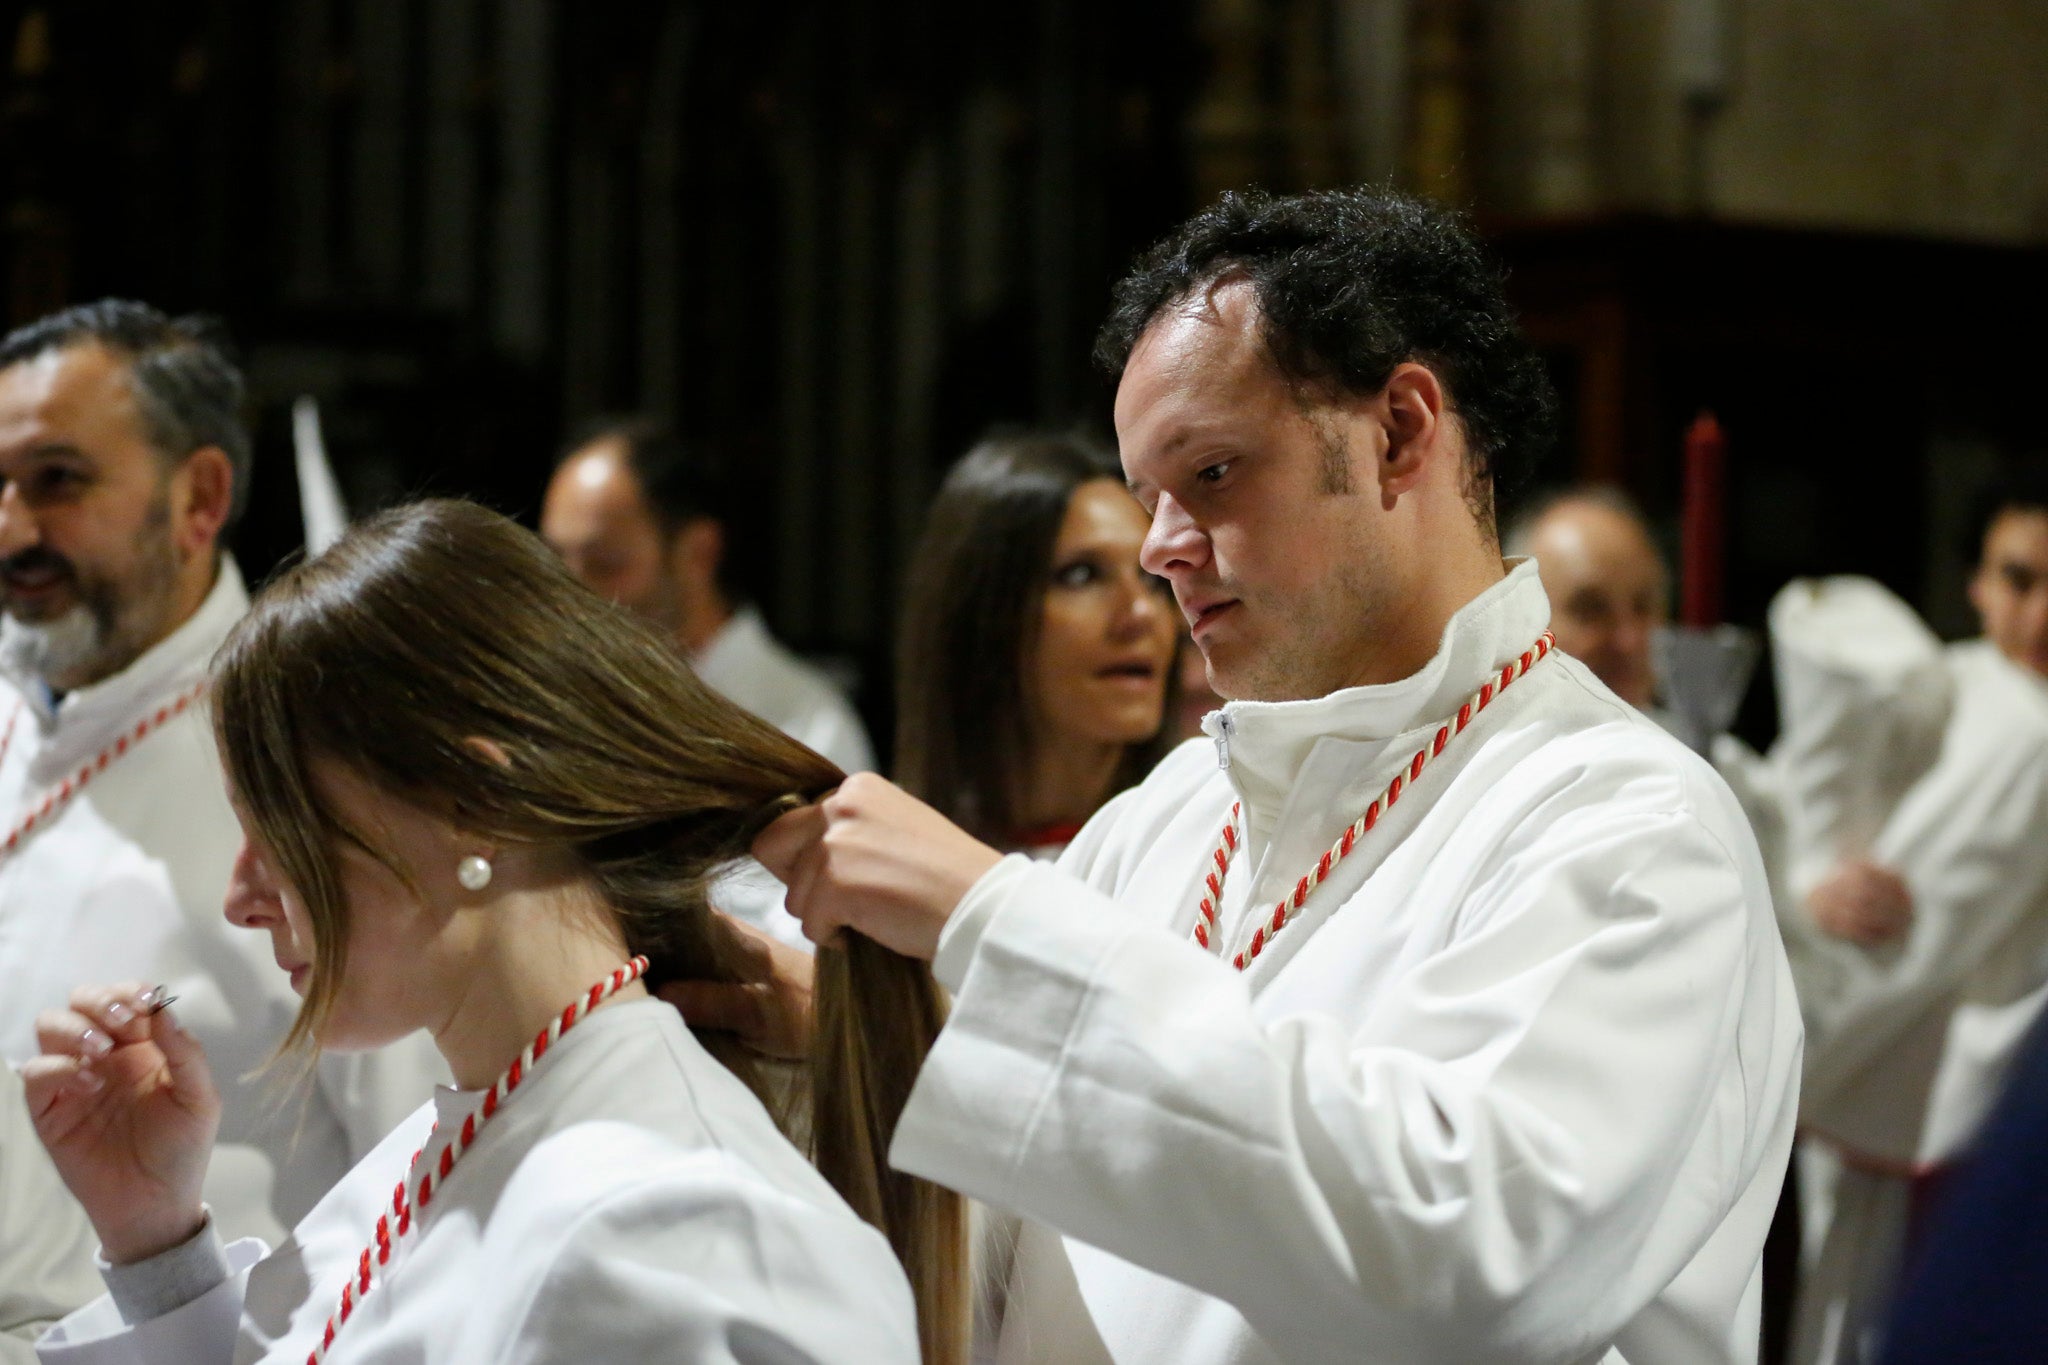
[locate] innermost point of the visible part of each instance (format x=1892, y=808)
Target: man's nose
x=252, y=901
x=1173, y=543
x=19, y=529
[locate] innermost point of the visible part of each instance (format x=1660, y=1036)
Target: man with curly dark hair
x=1435, y=1012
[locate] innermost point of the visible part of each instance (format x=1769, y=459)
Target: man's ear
x=1413, y=409
x=698, y=550
x=202, y=497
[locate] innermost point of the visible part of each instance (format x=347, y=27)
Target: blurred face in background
x=2010, y=589
x=1106, y=634
x=91, y=516
x=598, y=520
x=1607, y=589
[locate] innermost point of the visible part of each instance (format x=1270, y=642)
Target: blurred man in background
x=123, y=460
x=1608, y=587
x=642, y=522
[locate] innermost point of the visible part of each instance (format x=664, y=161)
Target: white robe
x=46, y=1246
x=631, y=1202
x=1517, y=1086
x=127, y=882
x=1910, y=1040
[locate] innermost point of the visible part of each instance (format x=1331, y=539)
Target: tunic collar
x=1264, y=747
x=88, y=717
x=729, y=656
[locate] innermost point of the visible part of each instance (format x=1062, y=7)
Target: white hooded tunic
x=1518, y=1085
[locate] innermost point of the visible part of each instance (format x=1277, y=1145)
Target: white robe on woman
x=126, y=882
x=1517, y=1086
x=631, y=1202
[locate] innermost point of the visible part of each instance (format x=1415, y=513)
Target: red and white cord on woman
x=60, y=796
x=1206, y=924
x=377, y=1254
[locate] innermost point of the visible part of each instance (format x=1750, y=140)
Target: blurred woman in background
x=1036, y=658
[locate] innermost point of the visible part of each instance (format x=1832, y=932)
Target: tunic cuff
x=964, y=928
x=148, y=1289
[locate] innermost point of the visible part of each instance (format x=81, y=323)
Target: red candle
x=1703, y=538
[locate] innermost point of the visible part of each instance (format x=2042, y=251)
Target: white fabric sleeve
x=1969, y=852
x=969, y=920
x=1472, y=1173
x=201, y=1332
x=169, y=1280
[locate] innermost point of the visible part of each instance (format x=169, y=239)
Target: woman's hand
x=770, y=1011
x=126, y=1105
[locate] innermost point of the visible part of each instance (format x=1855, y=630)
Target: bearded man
x=123, y=461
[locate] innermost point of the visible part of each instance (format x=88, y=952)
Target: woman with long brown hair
x=483, y=802
x=1035, y=657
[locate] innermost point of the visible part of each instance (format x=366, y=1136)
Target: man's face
x=1607, y=591
x=598, y=521
x=89, y=564
x=1263, y=504
x=2010, y=589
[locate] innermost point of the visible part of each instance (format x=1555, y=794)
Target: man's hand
x=1863, y=903
x=872, y=858
x=769, y=1011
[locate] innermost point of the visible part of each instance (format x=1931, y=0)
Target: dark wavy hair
x=1351, y=283
x=977, y=587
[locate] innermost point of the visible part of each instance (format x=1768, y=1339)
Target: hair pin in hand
x=158, y=999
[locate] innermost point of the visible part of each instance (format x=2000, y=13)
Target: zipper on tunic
x=1224, y=725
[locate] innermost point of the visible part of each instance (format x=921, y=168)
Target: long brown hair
x=431, y=626
x=970, y=622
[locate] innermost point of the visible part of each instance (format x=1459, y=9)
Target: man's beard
x=108, y=627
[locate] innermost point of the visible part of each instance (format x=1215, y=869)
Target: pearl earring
x=474, y=872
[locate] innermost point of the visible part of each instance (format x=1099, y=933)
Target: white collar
x=744, y=633
x=1269, y=743
x=89, y=716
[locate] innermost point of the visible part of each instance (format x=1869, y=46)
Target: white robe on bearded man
x=125, y=881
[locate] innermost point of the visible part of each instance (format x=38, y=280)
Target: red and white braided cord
x=377, y=1254
x=1206, y=924
x=60, y=796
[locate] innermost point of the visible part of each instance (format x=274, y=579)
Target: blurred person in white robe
x=1917, y=788
x=123, y=461
x=641, y=518
x=46, y=1246
x=1434, y=1012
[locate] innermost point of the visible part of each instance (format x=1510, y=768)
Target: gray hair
x=188, y=390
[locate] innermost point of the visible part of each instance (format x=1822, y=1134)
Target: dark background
x=837, y=241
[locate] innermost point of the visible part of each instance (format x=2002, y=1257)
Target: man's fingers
x=730, y=1006
x=778, y=847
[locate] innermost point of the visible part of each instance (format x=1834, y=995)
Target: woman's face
x=1106, y=633
x=401, y=970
